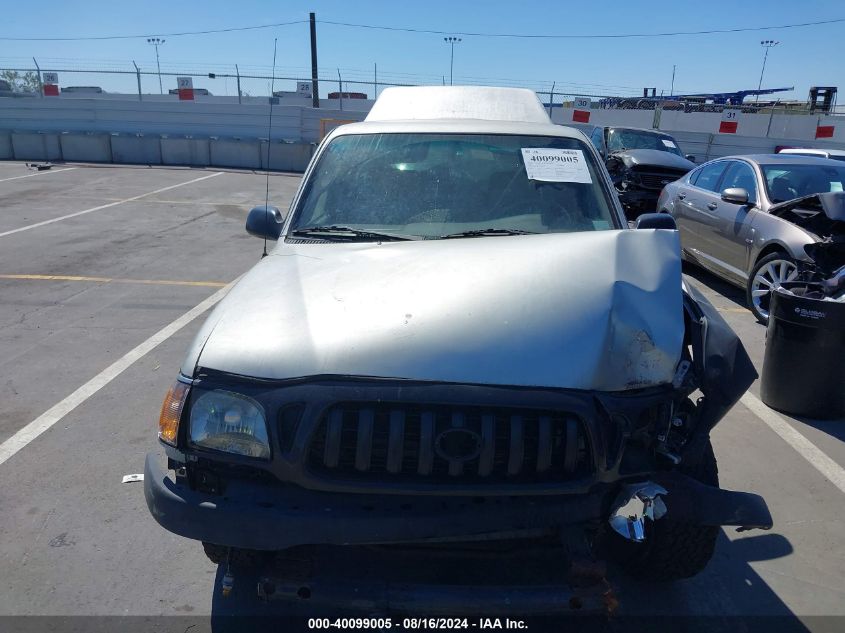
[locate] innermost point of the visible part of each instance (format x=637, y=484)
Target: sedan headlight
x=229, y=422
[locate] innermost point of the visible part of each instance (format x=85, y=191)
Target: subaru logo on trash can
x=458, y=444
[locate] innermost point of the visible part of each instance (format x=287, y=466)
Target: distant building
x=197, y=91
x=94, y=90
x=347, y=95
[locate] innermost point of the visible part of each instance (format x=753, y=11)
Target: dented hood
x=653, y=158
x=596, y=310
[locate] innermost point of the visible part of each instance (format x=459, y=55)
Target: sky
x=704, y=63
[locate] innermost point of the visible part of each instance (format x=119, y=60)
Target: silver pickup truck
x=456, y=339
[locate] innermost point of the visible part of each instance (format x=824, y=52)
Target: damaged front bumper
x=277, y=517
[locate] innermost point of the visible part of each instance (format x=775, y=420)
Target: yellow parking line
x=155, y=282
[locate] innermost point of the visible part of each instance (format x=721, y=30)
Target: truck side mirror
x=656, y=221
x=265, y=222
x=690, y=158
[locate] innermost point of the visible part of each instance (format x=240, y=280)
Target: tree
x=21, y=82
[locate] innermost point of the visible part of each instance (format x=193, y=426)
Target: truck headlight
x=229, y=422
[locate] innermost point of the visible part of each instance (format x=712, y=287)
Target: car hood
x=653, y=157
x=832, y=204
x=597, y=310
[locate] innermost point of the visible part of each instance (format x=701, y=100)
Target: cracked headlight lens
x=229, y=422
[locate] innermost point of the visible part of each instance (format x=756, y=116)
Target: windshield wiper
x=485, y=232
x=347, y=232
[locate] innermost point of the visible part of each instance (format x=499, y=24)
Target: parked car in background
x=835, y=154
x=640, y=162
x=747, y=218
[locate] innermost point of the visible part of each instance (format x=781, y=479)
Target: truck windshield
x=619, y=139
x=437, y=185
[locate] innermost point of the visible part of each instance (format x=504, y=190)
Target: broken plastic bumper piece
x=686, y=500
x=636, y=503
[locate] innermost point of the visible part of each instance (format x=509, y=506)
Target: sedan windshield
x=453, y=185
x=619, y=138
x=786, y=182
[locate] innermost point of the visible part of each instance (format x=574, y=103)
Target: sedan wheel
x=769, y=273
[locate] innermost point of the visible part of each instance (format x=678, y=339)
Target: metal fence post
x=138, y=76
x=658, y=112
x=40, y=82
x=551, y=98
x=238, y=72
x=340, y=87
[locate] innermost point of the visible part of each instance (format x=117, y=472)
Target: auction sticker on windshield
x=556, y=165
x=668, y=143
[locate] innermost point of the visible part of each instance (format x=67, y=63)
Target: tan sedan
x=727, y=213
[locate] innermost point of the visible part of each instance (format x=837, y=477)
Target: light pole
x=767, y=44
x=451, y=41
x=157, y=41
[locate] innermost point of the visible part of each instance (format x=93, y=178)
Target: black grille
x=422, y=443
x=658, y=180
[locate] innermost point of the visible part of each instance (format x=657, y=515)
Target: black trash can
x=804, y=364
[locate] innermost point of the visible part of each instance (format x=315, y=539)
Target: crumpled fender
x=720, y=361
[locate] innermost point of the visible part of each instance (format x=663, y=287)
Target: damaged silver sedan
x=456, y=340
x=749, y=218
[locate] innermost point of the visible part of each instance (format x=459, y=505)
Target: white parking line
x=39, y=173
x=106, y=206
x=819, y=460
x=47, y=419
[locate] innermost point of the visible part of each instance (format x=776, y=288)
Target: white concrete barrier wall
x=234, y=135
x=6, y=146
x=185, y=151
x=136, y=149
x=36, y=146
x=239, y=153
x=88, y=147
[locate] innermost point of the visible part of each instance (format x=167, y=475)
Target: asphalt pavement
x=100, y=263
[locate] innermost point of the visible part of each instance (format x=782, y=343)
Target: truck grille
x=658, y=180
x=464, y=444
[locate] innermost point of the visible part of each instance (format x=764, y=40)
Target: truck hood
x=595, y=310
x=653, y=158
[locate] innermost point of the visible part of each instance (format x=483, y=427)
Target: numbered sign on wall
x=50, y=82
x=730, y=121
x=186, y=88
x=581, y=113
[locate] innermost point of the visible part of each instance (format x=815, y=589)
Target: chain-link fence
x=344, y=88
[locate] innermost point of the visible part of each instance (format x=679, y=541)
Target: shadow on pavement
x=728, y=596
x=716, y=284
x=835, y=428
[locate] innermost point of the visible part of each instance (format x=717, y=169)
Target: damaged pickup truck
x=456, y=341
x=640, y=163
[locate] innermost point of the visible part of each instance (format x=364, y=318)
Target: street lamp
x=157, y=41
x=451, y=41
x=767, y=44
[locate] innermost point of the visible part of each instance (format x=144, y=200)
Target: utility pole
x=157, y=41
x=767, y=44
x=672, y=89
x=315, y=87
x=375, y=81
x=451, y=40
